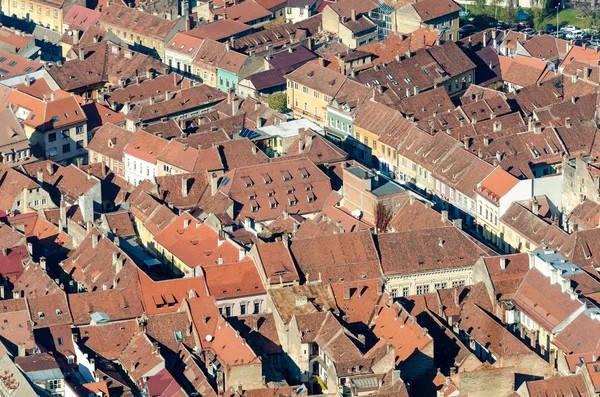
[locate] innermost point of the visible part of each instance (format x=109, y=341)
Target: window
x=256, y=307
x=243, y=309
x=60, y=341
x=55, y=13
x=405, y=291
x=227, y=311
x=79, y=145
x=316, y=94
x=52, y=137
x=44, y=201
x=458, y=283
x=440, y=285
x=366, y=141
x=66, y=148
x=422, y=289
x=79, y=130
x=305, y=90
x=47, y=11
x=36, y=203
x=394, y=292
x=64, y=134
x=55, y=384
x=39, y=9
x=374, y=145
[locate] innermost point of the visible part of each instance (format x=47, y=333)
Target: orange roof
x=581, y=54
x=233, y=280
x=363, y=298
x=498, y=183
x=394, y=324
x=145, y=146
x=196, y=244
x=166, y=296
x=184, y=44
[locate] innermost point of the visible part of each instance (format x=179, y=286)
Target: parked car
x=575, y=34
x=550, y=28
x=529, y=31
x=522, y=25
x=568, y=28
x=559, y=35
x=468, y=28
x=501, y=25
x=594, y=42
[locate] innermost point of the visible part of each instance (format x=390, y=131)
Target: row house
x=140, y=157
x=545, y=303
x=58, y=126
x=310, y=88
x=108, y=145
x=43, y=13
x=14, y=147
x=262, y=191
x=145, y=32
x=495, y=194
x=149, y=215
x=70, y=185
x=438, y=259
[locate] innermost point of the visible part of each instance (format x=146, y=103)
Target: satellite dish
x=208, y=338
x=70, y=33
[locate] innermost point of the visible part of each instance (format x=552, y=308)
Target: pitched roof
x=506, y=281
x=186, y=237
x=220, y=29
x=543, y=302
x=184, y=44
x=559, y=386
x=497, y=184
x=140, y=356
x=244, y=12
x=277, y=262
x=110, y=141
x=317, y=77
x=427, y=250
x=166, y=296
x=138, y=21
x=145, y=146
x=81, y=16
x=339, y=257
x=433, y=9
x=233, y=280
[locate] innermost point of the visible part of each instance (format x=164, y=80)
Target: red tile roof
x=233, y=280
x=145, y=146
x=138, y=21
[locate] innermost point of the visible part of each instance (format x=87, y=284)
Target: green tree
x=278, y=102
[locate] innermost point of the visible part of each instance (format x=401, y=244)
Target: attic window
x=270, y=193
x=290, y=190
x=58, y=312
x=40, y=314
x=272, y=204
x=2, y=59
x=252, y=196
x=286, y=176
x=66, y=115
x=182, y=46
x=408, y=80
x=389, y=76
x=304, y=173
x=254, y=207
x=173, y=44
x=190, y=49
x=311, y=198
x=28, y=69
x=12, y=63
x=267, y=179
x=292, y=200
x=55, y=119
x=247, y=181
x=178, y=336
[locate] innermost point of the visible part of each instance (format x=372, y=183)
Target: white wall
x=135, y=175
x=523, y=190
x=551, y=186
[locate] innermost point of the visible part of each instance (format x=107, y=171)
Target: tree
x=278, y=102
x=383, y=216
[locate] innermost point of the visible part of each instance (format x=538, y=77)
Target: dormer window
x=304, y=173
x=247, y=181
x=41, y=315
x=286, y=176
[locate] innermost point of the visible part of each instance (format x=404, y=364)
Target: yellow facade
x=208, y=76
x=144, y=234
x=171, y=260
x=41, y=12
x=307, y=103
x=514, y=241
x=134, y=38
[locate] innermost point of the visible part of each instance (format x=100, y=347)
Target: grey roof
x=267, y=79
x=46, y=374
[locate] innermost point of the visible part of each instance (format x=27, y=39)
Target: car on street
x=594, y=42
x=529, y=31
x=468, y=28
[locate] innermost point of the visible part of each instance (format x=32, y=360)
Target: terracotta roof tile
x=110, y=141
x=108, y=340
x=138, y=21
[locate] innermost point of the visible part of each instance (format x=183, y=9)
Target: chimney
x=353, y=14
x=43, y=263
x=444, y=215
x=81, y=54
x=40, y=176
x=214, y=183
x=4, y=251
x=52, y=96
x=395, y=376
x=27, y=81
x=573, y=99
x=30, y=248
x=186, y=223
x=346, y=292
x=586, y=73
x=95, y=240
x=535, y=207
x=259, y=122
x=235, y=106
x=75, y=36
x=301, y=300
x=502, y=263
x=568, y=122
x=184, y=187
x=21, y=351
x=484, y=41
